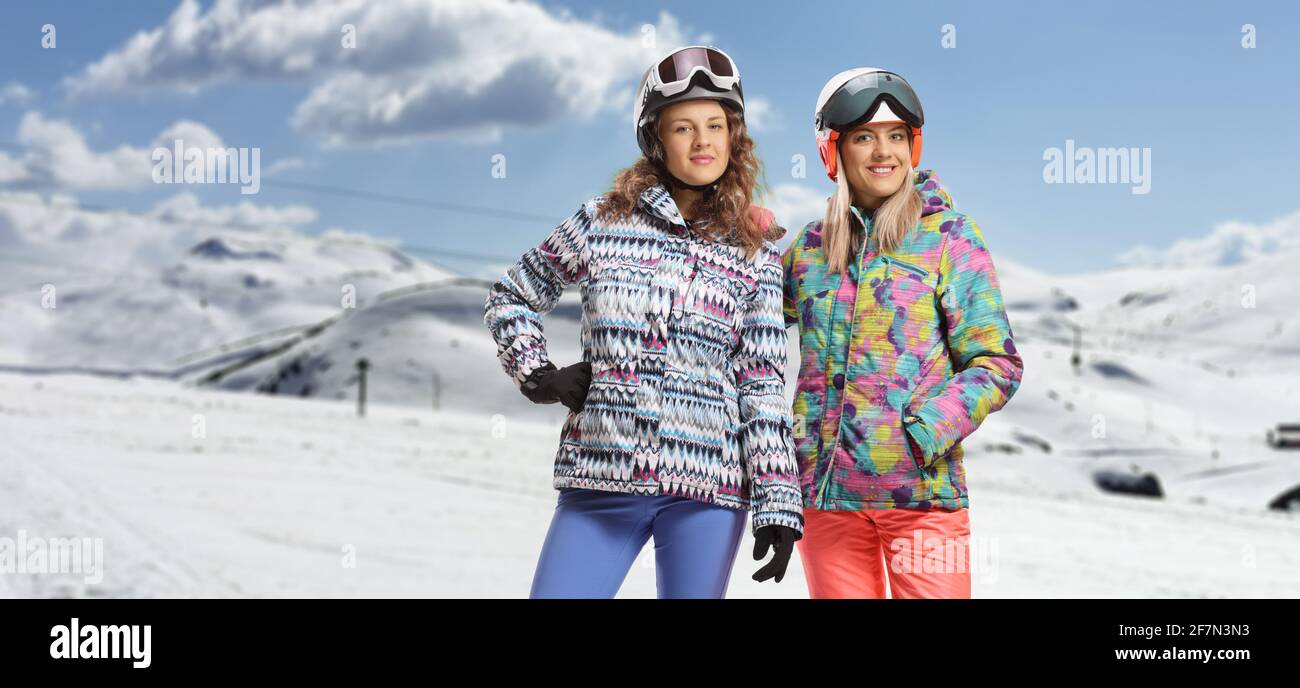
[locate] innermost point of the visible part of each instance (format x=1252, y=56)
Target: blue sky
x=1219, y=119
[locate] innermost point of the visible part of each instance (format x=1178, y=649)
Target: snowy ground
x=457, y=505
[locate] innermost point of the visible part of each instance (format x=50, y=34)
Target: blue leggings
x=595, y=536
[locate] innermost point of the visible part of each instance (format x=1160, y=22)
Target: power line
x=176, y=221
x=397, y=199
x=411, y=200
x=359, y=194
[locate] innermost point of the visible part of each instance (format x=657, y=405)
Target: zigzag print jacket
x=902, y=358
x=687, y=345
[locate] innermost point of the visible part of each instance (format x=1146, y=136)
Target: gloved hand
x=781, y=539
x=568, y=385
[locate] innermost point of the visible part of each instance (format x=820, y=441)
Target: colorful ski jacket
x=901, y=358
x=687, y=346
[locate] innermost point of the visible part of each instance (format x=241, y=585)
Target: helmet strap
x=674, y=181
x=693, y=187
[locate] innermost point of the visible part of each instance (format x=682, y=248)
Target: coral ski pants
x=596, y=535
x=850, y=553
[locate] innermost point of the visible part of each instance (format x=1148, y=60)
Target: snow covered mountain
x=227, y=287
x=1179, y=374
x=426, y=345
x=271, y=310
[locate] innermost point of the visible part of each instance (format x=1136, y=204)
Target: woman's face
x=875, y=155
x=696, y=140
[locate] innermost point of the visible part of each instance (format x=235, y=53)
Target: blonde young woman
x=677, y=422
x=905, y=348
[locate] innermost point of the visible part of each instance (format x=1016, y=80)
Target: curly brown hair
x=723, y=212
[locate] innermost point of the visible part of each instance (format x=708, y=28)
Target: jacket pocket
x=713, y=299
x=907, y=291
x=615, y=311
x=907, y=283
x=918, y=458
x=935, y=368
x=571, y=432
x=619, y=288
x=815, y=314
x=606, y=422
x=905, y=266
x=732, y=454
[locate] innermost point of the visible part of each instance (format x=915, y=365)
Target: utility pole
x=362, y=366
x=437, y=391
x=1076, y=360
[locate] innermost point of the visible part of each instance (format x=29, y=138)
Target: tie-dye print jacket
x=688, y=354
x=894, y=374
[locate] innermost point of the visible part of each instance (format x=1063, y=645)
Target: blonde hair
x=894, y=219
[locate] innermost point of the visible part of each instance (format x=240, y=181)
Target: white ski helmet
x=865, y=94
x=689, y=73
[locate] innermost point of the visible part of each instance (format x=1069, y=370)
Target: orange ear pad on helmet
x=827, y=148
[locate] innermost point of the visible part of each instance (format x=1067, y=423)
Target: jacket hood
x=934, y=199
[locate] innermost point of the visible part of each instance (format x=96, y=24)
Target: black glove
x=568, y=385
x=779, y=538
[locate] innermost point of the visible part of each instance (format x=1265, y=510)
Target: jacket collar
x=657, y=201
x=864, y=218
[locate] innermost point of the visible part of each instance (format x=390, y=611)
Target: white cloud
x=56, y=231
x=55, y=153
x=1229, y=243
x=795, y=205
x=11, y=170
x=760, y=115
x=16, y=93
x=186, y=208
x=420, y=68
x=192, y=135
x=284, y=164
x=340, y=234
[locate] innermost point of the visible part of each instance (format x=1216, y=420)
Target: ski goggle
x=860, y=97
x=675, y=72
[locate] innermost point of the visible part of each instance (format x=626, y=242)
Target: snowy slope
x=454, y=504
x=180, y=303
x=408, y=337
x=1176, y=377
x=271, y=311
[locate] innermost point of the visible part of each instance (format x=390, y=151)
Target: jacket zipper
x=830, y=466
x=830, y=320
x=914, y=269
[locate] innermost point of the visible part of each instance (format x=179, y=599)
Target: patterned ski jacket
x=687, y=346
x=901, y=359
